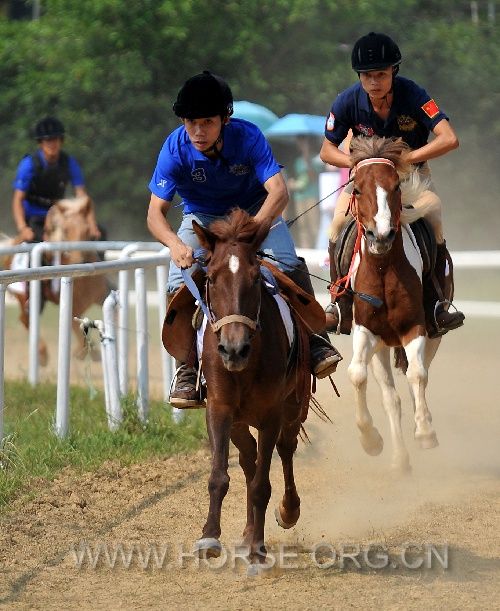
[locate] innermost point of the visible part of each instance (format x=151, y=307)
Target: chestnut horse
x=250, y=382
x=68, y=221
x=390, y=268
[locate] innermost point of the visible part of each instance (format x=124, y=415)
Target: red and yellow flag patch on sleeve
x=431, y=109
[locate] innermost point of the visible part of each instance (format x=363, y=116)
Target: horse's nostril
x=391, y=235
x=221, y=349
x=244, y=351
x=369, y=233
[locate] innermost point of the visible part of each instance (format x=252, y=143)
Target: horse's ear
x=262, y=231
x=206, y=237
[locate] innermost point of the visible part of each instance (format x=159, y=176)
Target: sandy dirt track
x=452, y=498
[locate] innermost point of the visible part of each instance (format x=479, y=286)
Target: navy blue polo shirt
x=214, y=186
x=413, y=115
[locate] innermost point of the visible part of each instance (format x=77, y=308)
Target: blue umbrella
x=297, y=125
x=255, y=113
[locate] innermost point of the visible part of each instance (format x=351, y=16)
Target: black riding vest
x=48, y=183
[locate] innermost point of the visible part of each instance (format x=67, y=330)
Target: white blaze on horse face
x=234, y=264
x=383, y=216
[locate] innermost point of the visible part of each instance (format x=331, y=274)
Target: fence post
x=141, y=313
x=3, y=287
x=123, y=285
x=64, y=357
x=115, y=415
x=35, y=303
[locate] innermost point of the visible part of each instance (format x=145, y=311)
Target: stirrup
x=328, y=310
x=437, y=330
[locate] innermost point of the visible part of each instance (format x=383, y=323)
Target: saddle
x=178, y=332
x=424, y=238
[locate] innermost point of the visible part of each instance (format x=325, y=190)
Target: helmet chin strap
x=213, y=148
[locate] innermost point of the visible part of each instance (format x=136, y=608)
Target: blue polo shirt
x=26, y=171
x=214, y=186
x=413, y=115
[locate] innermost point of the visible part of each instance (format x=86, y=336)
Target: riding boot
x=439, y=319
x=185, y=394
x=324, y=356
x=338, y=312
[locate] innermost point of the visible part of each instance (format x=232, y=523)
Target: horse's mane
x=412, y=183
x=388, y=148
x=239, y=226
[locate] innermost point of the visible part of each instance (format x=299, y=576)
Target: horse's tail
x=400, y=360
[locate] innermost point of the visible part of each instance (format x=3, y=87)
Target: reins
x=290, y=222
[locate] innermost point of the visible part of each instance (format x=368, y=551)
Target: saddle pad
x=426, y=242
x=306, y=306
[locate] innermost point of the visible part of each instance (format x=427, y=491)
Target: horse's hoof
x=208, y=547
x=43, y=359
x=427, y=441
x=372, y=442
x=401, y=467
x=278, y=513
x=257, y=569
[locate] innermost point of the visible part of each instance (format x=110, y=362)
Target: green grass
x=30, y=450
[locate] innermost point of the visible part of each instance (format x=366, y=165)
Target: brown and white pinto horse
x=68, y=221
x=390, y=268
x=249, y=382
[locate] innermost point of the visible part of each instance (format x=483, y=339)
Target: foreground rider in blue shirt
x=387, y=105
x=41, y=179
x=216, y=164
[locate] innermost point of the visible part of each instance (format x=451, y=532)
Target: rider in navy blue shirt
x=385, y=104
x=216, y=164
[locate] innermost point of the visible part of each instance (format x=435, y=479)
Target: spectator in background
x=304, y=189
x=329, y=182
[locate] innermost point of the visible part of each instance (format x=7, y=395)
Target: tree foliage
x=111, y=69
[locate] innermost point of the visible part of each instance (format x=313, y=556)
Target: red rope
x=340, y=287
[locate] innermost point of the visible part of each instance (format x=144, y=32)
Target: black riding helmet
x=49, y=127
x=375, y=52
x=204, y=95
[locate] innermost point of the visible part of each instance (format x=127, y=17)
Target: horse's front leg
x=364, y=343
x=219, y=422
x=260, y=489
x=43, y=354
x=417, y=373
x=288, y=511
x=247, y=446
x=381, y=364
